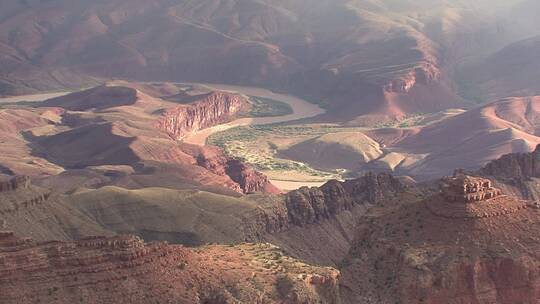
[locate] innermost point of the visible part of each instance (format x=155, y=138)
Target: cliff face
x=514, y=166
x=212, y=109
x=123, y=269
x=246, y=179
x=313, y=205
x=448, y=249
x=516, y=173
x=423, y=75
x=308, y=205
x=11, y=184
x=16, y=193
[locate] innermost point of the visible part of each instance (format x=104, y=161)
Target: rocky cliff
x=514, y=166
x=467, y=244
x=123, y=269
x=14, y=183
x=314, y=205
x=210, y=110
x=425, y=74
x=17, y=193
x=516, y=173
x=246, y=179
x=307, y=205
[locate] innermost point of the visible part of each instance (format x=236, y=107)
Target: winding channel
x=301, y=109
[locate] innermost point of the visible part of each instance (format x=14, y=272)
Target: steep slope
x=120, y=124
x=475, y=137
x=15, y=153
x=388, y=58
x=87, y=270
x=336, y=150
x=465, y=244
x=40, y=213
x=511, y=71
x=516, y=173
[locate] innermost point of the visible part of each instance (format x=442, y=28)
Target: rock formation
x=210, y=110
x=15, y=193
x=466, y=244
x=247, y=179
x=423, y=75
x=312, y=205
x=123, y=269
x=14, y=183
x=308, y=205
x=466, y=189
x=514, y=166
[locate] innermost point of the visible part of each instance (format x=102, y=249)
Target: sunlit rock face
x=467, y=243
x=213, y=109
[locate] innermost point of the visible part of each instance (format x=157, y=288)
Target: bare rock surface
x=210, y=110
x=123, y=269
x=466, y=244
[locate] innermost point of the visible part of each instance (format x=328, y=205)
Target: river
x=301, y=109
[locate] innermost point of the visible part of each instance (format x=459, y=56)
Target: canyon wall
x=14, y=183
x=514, y=166
x=443, y=250
x=314, y=205
x=212, y=109
x=123, y=269
x=16, y=193
x=247, y=179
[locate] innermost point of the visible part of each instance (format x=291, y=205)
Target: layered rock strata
x=123, y=269
x=314, y=205
x=514, y=166
x=457, y=246
x=213, y=109
x=14, y=183
x=247, y=179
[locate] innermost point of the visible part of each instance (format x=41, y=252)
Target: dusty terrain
x=119, y=131
x=423, y=147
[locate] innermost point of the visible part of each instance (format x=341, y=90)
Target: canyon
x=269, y=44
x=373, y=260
x=211, y=110
x=87, y=270
x=287, y=152
x=63, y=131
x=448, y=247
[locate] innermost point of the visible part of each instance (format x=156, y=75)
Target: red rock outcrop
x=424, y=75
x=123, y=269
x=457, y=246
x=212, y=109
x=247, y=179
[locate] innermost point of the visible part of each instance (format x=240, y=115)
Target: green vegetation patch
x=258, y=146
x=266, y=107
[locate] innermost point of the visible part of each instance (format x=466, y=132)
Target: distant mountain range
x=389, y=58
